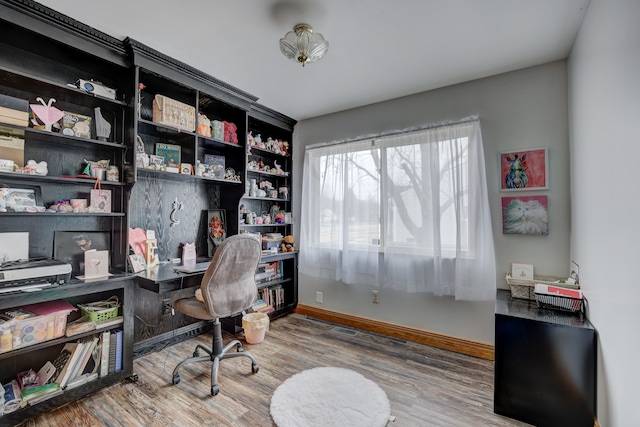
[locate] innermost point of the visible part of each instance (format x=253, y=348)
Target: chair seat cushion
x=192, y=307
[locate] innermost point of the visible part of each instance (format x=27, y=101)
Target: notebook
x=192, y=268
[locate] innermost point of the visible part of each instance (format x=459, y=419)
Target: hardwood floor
x=425, y=385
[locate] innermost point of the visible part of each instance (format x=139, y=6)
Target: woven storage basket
x=173, y=113
x=101, y=311
x=523, y=289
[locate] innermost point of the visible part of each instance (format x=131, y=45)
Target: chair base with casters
x=216, y=354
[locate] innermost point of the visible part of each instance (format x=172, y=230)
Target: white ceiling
x=378, y=50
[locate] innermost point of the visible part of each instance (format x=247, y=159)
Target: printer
x=33, y=274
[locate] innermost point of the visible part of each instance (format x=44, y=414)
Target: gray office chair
x=228, y=288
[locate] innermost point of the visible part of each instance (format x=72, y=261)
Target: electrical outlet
x=167, y=308
x=319, y=297
x=375, y=297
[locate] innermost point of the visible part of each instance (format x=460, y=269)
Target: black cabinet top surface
x=528, y=309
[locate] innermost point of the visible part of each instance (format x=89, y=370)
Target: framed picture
x=215, y=165
x=70, y=246
x=525, y=215
x=521, y=271
x=25, y=198
x=170, y=152
x=524, y=170
x=156, y=160
x=186, y=168
x=217, y=228
x=96, y=264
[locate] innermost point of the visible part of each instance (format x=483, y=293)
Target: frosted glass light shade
x=303, y=45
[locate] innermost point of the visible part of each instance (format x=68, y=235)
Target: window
x=404, y=211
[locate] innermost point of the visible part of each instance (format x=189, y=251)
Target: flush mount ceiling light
x=303, y=45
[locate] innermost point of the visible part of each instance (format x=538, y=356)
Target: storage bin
x=523, y=289
x=255, y=325
x=101, y=311
x=170, y=112
x=35, y=323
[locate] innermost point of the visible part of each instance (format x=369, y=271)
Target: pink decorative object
x=46, y=113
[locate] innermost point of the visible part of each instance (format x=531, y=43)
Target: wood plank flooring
x=426, y=386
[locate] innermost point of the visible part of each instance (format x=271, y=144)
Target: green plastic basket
x=101, y=311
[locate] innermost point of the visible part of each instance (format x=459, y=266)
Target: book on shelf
x=119, y=320
x=104, y=353
x=273, y=296
x=86, y=357
x=44, y=397
x=82, y=379
x=119, y=336
x=215, y=165
x=32, y=393
x=170, y=152
x=65, y=373
x=84, y=350
x=79, y=326
x=258, y=304
x=112, y=352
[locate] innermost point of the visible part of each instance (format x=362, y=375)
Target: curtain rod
x=468, y=119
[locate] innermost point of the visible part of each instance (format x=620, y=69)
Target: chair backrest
x=229, y=286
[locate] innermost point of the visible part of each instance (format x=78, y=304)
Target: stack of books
x=260, y=306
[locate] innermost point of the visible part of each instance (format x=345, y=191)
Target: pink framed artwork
x=525, y=215
x=524, y=170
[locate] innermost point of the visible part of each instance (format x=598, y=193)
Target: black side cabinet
x=545, y=365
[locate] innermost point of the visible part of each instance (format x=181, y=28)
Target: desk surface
x=527, y=309
x=163, y=278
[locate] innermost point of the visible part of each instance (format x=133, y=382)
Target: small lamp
x=303, y=45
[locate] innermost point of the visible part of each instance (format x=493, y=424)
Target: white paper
x=14, y=246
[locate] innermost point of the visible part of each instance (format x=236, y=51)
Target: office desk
x=545, y=367
x=162, y=279
x=157, y=287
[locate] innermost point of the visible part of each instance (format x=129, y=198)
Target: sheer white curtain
x=406, y=211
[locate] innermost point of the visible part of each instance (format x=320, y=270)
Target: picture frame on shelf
x=216, y=228
x=156, y=160
x=186, y=168
x=522, y=170
x=96, y=264
x=521, y=271
x=171, y=153
x=70, y=247
x=137, y=262
x=215, y=165
x=22, y=198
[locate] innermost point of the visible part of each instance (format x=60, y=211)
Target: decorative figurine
x=46, y=113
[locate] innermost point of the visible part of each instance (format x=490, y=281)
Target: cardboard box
x=14, y=117
x=14, y=111
x=12, y=148
x=76, y=125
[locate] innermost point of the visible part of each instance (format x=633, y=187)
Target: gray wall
x=604, y=75
x=518, y=110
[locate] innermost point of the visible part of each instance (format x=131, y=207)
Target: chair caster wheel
x=254, y=368
x=175, y=379
x=196, y=353
x=215, y=390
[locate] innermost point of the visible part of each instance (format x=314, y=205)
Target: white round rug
x=329, y=397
